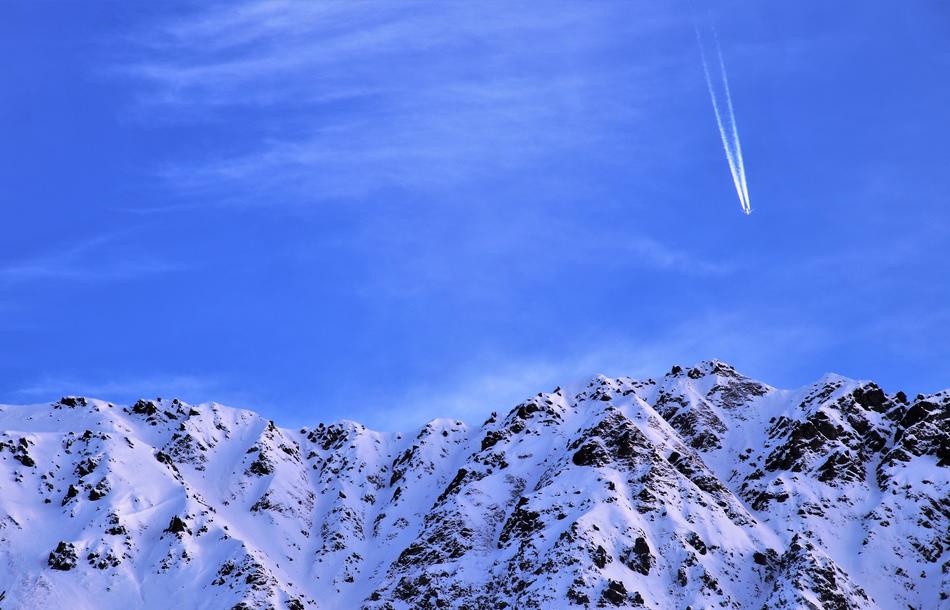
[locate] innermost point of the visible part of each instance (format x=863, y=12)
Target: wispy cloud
x=93, y=259
x=175, y=385
x=655, y=254
x=481, y=259
x=356, y=97
x=498, y=384
x=126, y=389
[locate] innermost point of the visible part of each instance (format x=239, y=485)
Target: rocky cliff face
x=703, y=489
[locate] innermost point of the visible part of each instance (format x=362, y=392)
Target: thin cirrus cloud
x=498, y=383
x=94, y=259
x=124, y=389
x=349, y=98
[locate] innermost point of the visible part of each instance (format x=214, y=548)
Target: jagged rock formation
x=703, y=489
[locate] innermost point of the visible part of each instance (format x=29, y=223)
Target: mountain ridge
x=703, y=488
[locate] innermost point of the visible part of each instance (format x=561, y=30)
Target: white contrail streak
x=730, y=137
x=735, y=128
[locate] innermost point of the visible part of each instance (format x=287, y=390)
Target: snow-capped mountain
x=702, y=489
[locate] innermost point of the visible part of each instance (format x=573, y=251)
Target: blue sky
x=393, y=211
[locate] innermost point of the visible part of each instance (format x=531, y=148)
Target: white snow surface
x=702, y=489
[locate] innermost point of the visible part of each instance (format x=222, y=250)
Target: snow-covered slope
x=703, y=489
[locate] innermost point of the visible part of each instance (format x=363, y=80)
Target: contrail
x=735, y=128
x=730, y=140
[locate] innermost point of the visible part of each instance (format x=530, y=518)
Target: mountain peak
x=703, y=488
